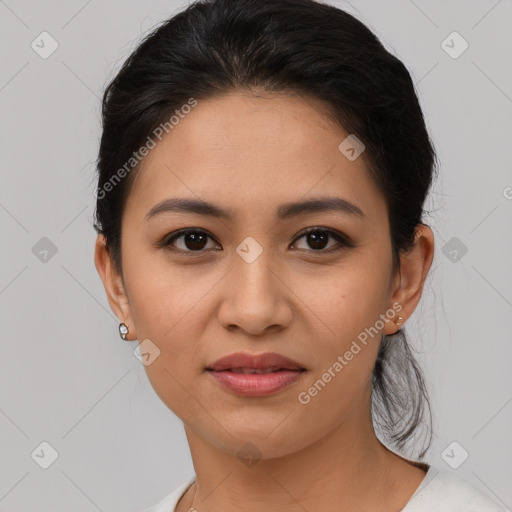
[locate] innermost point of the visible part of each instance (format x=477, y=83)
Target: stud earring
x=123, y=330
x=397, y=323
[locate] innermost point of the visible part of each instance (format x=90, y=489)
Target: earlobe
x=114, y=286
x=414, y=266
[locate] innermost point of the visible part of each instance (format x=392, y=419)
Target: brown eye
x=190, y=240
x=317, y=240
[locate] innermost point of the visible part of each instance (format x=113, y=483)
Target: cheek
x=345, y=354
x=165, y=297
x=170, y=310
x=345, y=300
x=172, y=307
x=344, y=312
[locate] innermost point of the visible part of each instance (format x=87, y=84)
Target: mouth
x=258, y=371
x=255, y=375
x=243, y=362
x=251, y=382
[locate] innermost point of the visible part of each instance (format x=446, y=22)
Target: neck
x=347, y=469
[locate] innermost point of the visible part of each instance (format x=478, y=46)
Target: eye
x=317, y=239
x=196, y=240
x=191, y=240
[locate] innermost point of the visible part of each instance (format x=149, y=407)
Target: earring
x=397, y=323
x=123, y=330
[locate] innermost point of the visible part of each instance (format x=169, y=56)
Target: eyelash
x=341, y=239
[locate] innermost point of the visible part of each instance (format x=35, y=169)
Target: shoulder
x=441, y=491
x=169, y=501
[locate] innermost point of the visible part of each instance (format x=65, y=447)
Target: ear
x=114, y=286
x=408, y=285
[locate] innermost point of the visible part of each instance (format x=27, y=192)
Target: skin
x=251, y=154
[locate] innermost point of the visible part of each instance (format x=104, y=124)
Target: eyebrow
x=285, y=211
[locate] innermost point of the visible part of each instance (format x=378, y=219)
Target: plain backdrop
x=68, y=380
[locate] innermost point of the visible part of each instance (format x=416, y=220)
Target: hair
x=303, y=47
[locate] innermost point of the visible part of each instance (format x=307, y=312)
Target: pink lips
x=236, y=373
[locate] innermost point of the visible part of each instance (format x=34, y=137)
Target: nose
x=256, y=298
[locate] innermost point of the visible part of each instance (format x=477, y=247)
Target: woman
x=262, y=174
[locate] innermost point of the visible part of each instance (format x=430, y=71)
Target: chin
x=263, y=445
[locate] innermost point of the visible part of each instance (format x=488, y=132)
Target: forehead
x=243, y=150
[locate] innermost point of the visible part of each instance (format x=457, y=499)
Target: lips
x=271, y=369
x=256, y=375
x=268, y=362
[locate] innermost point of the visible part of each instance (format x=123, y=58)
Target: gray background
x=68, y=379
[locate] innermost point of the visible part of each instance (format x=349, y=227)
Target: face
x=254, y=280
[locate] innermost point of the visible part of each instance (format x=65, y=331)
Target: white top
x=438, y=492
